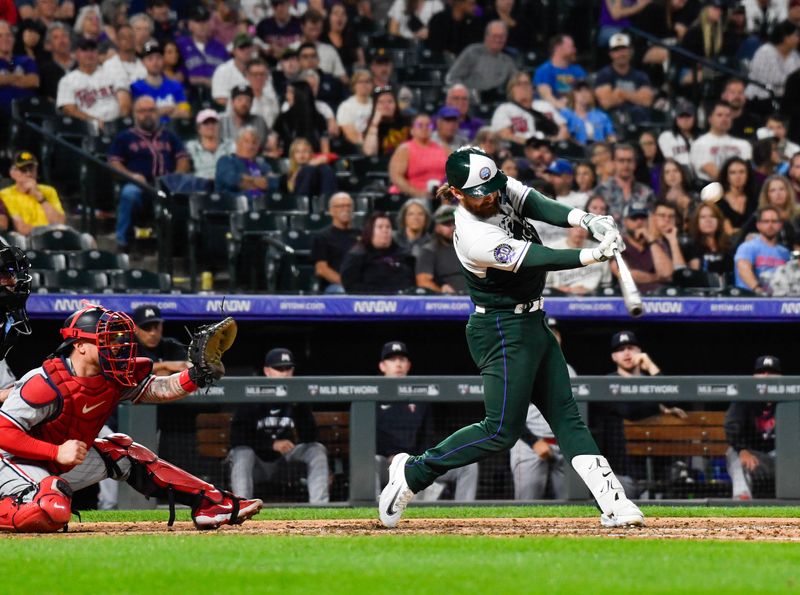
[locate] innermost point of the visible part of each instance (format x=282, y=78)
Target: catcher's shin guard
x=48, y=512
x=152, y=476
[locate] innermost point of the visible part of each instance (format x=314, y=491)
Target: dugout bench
x=665, y=437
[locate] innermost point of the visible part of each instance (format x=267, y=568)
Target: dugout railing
x=362, y=394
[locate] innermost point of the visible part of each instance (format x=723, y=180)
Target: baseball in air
x=712, y=192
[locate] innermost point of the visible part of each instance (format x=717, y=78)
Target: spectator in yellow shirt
x=30, y=204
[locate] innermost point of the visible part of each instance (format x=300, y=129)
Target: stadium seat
x=312, y=222
x=279, y=202
x=99, y=260
x=46, y=261
x=12, y=238
x=430, y=59
x=389, y=203
x=142, y=281
x=209, y=229
x=256, y=223
x=60, y=238
x=74, y=281
x=299, y=241
x=301, y=278
x=252, y=258
x=36, y=111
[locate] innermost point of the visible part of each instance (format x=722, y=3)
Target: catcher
x=49, y=422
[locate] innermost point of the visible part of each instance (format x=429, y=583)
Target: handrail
x=85, y=155
x=675, y=49
x=88, y=210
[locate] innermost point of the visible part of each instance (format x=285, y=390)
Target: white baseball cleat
x=396, y=495
x=625, y=514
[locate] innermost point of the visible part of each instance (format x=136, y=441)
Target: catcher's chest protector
x=49, y=511
x=85, y=403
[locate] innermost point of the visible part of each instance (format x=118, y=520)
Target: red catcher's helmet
x=111, y=332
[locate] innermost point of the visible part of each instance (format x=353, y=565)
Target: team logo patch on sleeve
x=503, y=254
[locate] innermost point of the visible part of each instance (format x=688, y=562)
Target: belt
x=531, y=306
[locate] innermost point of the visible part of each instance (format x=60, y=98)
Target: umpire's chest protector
x=84, y=403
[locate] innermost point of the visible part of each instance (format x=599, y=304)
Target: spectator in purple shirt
x=19, y=77
x=144, y=152
x=201, y=53
x=279, y=31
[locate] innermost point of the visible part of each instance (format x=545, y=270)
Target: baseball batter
x=520, y=360
x=49, y=422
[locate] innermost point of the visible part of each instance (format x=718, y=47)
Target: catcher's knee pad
x=152, y=476
x=47, y=512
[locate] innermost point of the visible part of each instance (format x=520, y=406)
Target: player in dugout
x=49, y=424
x=505, y=266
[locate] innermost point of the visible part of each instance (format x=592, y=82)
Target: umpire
x=505, y=266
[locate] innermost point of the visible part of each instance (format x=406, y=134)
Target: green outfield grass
x=230, y=563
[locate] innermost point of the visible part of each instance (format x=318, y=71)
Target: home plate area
x=738, y=529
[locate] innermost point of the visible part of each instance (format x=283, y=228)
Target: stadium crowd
x=335, y=119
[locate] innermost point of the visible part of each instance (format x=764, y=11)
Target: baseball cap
x=684, y=106
x=560, y=167
x=151, y=47
x=393, y=348
x=635, y=209
x=444, y=214
x=535, y=143
x=241, y=90
x=24, y=158
x=199, y=13
x=280, y=357
x=242, y=40
x=86, y=44
x=448, y=112
x=767, y=363
x=381, y=55
x=146, y=314
x=619, y=40
x=623, y=339
x=206, y=114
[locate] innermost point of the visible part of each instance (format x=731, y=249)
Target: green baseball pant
x=521, y=362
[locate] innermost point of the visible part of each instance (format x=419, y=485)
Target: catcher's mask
x=111, y=332
x=473, y=172
x=15, y=287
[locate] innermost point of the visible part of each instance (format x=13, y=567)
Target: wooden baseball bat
x=630, y=293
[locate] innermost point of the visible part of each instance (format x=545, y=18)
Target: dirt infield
x=739, y=529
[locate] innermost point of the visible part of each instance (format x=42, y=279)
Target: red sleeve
x=21, y=444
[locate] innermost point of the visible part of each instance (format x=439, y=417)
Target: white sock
x=596, y=473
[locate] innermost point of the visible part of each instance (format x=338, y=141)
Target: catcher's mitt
x=208, y=344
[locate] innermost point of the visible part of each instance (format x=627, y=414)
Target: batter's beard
x=485, y=209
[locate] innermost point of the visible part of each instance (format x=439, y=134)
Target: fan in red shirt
x=50, y=420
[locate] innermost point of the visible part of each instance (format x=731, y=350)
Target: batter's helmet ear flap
x=471, y=170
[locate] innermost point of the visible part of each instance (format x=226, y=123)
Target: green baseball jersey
x=502, y=256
